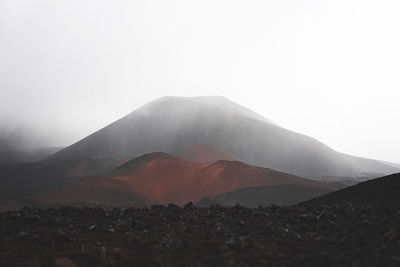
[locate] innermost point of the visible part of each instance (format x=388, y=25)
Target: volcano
x=159, y=178
x=172, y=124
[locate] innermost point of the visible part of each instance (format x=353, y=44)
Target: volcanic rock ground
x=355, y=226
x=304, y=235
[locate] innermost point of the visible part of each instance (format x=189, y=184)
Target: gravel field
x=303, y=235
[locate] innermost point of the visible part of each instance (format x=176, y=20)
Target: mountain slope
x=203, y=153
x=172, y=123
x=162, y=179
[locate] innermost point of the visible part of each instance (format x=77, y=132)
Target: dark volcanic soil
x=336, y=235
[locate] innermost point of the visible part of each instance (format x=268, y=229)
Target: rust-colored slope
x=203, y=153
x=162, y=179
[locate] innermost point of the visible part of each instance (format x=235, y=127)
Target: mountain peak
x=216, y=101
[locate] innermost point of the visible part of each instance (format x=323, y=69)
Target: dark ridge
x=384, y=190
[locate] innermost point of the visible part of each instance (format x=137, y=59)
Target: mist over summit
x=170, y=124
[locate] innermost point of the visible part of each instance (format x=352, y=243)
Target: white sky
x=328, y=69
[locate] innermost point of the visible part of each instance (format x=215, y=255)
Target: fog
x=327, y=69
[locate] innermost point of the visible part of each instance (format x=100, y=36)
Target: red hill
x=162, y=179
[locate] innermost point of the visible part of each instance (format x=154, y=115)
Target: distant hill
x=159, y=178
x=171, y=124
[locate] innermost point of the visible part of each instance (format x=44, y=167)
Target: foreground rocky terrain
x=336, y=235
x=355, y=226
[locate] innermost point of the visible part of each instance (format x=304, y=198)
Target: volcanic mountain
x=159, y=178
x=171, y=124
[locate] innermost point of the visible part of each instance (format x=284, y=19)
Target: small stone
x=118, y=252
x=61, y=235
x=64, y=262
x=189, y=205
x=21, y=234
x=396, y=258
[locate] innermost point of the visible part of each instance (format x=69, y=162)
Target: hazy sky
x=328, y=69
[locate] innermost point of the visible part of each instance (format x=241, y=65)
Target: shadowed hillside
x=380, y=191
